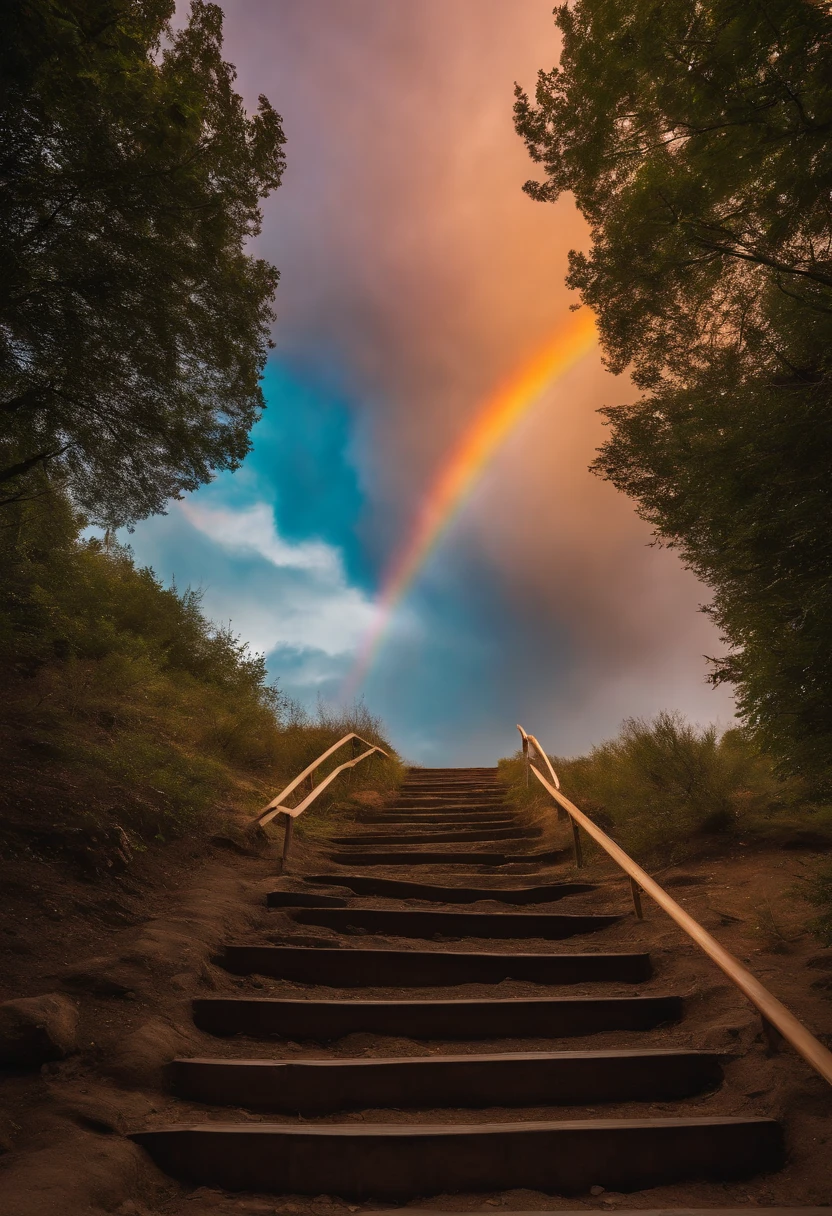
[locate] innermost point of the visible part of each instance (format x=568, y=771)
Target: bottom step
x=397, y=1161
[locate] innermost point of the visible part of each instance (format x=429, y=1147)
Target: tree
x=133, y=324
x=697, y=140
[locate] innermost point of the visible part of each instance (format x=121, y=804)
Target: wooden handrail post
x=287, y=840
x=773, y=1037
x=635, y=891
x=576, y=839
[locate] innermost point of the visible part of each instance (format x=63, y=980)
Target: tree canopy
x=133, y=323
x=696, y=141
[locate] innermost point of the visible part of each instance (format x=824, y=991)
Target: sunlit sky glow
x=416, y=520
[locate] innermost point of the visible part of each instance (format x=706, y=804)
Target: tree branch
x=23, y=466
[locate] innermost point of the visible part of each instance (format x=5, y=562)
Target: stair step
x=451, y=802
x=550, y=926
x=399, y=1161
x=444, y=857
x=394, y=888
x=463, y=795
x=479, y=819
x=304, y=899
x=467, y=1019
x=317, y=1087
x=451, y=787
x=460, y=836
x=428, y=968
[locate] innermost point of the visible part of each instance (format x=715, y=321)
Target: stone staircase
x=437, y=1114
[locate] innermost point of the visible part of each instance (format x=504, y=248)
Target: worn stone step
x=401, y=1161
x=445, y=857
x=362, y=968
x=565, y=1078
x=394, y=888
x=461, y=835
x=549, y=926
x=466, y=1019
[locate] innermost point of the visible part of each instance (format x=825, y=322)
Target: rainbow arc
x=467, y=461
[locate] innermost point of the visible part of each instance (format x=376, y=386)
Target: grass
x=667, y=790
x=123, y=704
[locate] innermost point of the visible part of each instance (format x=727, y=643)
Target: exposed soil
x=132, y=947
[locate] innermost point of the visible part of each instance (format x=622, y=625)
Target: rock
x=596, y=1190
x=822, y=961
x=35, y=1029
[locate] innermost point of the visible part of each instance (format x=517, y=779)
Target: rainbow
x=493, y=422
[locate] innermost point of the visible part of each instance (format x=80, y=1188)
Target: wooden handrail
x=774, y=1013
x=277, y=806
x=527, y=739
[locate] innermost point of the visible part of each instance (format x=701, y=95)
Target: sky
x=416, y=278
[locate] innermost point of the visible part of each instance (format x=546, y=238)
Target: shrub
x=670, y=789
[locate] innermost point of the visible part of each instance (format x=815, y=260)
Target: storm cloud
x=415, y=275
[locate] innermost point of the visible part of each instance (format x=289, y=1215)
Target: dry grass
x=667, y=790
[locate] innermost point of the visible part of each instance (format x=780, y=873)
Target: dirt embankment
x=118, y=949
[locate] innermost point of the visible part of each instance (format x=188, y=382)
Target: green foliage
x=133, y=326
x=665, y=789
x=696, y=142
x=111, y=677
